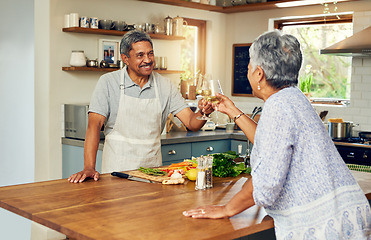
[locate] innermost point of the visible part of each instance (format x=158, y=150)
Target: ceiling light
x=305, y=3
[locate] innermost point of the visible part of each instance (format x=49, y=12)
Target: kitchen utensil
x=103, y=64
x=178, y=26
x=127, y=176
x=94, y=22
x=119, y=25
x=78, y=58
x=163, y=63
x=92, y=63
x=365, y=135
x=323, y=115
x=105, y=24
x=84, y=22
x=66, y=20
x=74, y=20
x=168, y=23
x=340, y=130
x=238, y=2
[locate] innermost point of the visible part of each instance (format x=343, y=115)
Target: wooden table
x=115, y=208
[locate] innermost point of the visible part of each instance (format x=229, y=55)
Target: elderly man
x=133, y=104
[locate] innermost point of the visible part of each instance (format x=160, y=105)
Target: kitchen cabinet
x=73, y=160
x=174, y=153
x=210, y=147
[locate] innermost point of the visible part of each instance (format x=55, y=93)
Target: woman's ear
x=260, y=73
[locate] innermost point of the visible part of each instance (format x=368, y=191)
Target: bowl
x=105, y=24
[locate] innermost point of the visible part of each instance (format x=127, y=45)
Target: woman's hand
x=213, y=212
x=225, y=105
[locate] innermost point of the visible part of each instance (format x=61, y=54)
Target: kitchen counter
x=177, y=137
x=188, y=137
x=116, y=208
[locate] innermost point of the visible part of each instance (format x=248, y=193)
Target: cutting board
x=140, y=174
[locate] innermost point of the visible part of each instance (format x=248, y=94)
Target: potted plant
x=305, y=82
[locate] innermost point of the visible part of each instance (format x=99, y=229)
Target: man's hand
x=205, y=106
x=81, y=176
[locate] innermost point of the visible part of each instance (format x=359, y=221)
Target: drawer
x=175, y=152
x=210, y=147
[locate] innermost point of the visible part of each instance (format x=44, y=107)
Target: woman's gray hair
x=280, y=57
x=131, y=37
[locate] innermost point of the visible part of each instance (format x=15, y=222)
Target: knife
x=127, y=176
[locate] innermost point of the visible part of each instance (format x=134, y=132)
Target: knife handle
x=119, y=174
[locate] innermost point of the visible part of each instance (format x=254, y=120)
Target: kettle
x=178, y=26
x=78, y=59
x=168, y=25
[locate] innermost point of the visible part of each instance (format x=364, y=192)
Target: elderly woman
x=297, y=174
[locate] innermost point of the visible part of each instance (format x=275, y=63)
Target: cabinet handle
x=210, y=149
x=172, y=152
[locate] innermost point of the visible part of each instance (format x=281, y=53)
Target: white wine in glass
x=215, y=88
x=205, y=91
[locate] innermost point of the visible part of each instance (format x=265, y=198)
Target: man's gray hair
x=131, y=37
x=280, y=57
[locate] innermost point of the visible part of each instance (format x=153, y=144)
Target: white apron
x=135, y=140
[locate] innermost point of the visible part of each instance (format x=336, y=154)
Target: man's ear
x=124, y=58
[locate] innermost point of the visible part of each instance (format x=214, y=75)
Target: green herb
x=224, y=165
x=152, y=171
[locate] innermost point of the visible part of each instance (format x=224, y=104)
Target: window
x=193, y=52
x=330, y=74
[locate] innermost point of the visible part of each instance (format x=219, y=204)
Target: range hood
x=358, y=45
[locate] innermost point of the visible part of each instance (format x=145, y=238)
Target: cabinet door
x=73, y=160
x=209, y=147
x=239, y=146
x=175, y=153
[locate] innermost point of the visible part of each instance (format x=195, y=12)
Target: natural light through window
x=329, y=75
x=189, y=51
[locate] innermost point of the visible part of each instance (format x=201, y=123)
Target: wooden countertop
x=115, y=208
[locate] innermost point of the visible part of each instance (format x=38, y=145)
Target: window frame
x=201, y=42
x=316, y=20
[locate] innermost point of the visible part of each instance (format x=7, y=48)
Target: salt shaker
x=209, y=171
x=200, y=181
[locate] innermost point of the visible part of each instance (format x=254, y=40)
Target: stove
x=355, y=150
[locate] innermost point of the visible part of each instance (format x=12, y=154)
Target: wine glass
x=203, y=88
x=215, y=88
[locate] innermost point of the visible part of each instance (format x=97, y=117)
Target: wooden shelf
x=94, y=69
x=116, y=33
x=231, y=9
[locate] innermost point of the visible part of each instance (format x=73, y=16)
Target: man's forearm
x=90, y=149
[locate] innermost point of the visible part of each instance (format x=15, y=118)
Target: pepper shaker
x=209, y=171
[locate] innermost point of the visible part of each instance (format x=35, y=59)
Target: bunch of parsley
x=224, y=165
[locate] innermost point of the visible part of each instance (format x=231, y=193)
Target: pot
x=78, y=58
x=178, y=26
x=341, y=130
x=92, y=63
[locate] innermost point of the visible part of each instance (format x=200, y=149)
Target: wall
x=255, y=23
x=16, y=106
